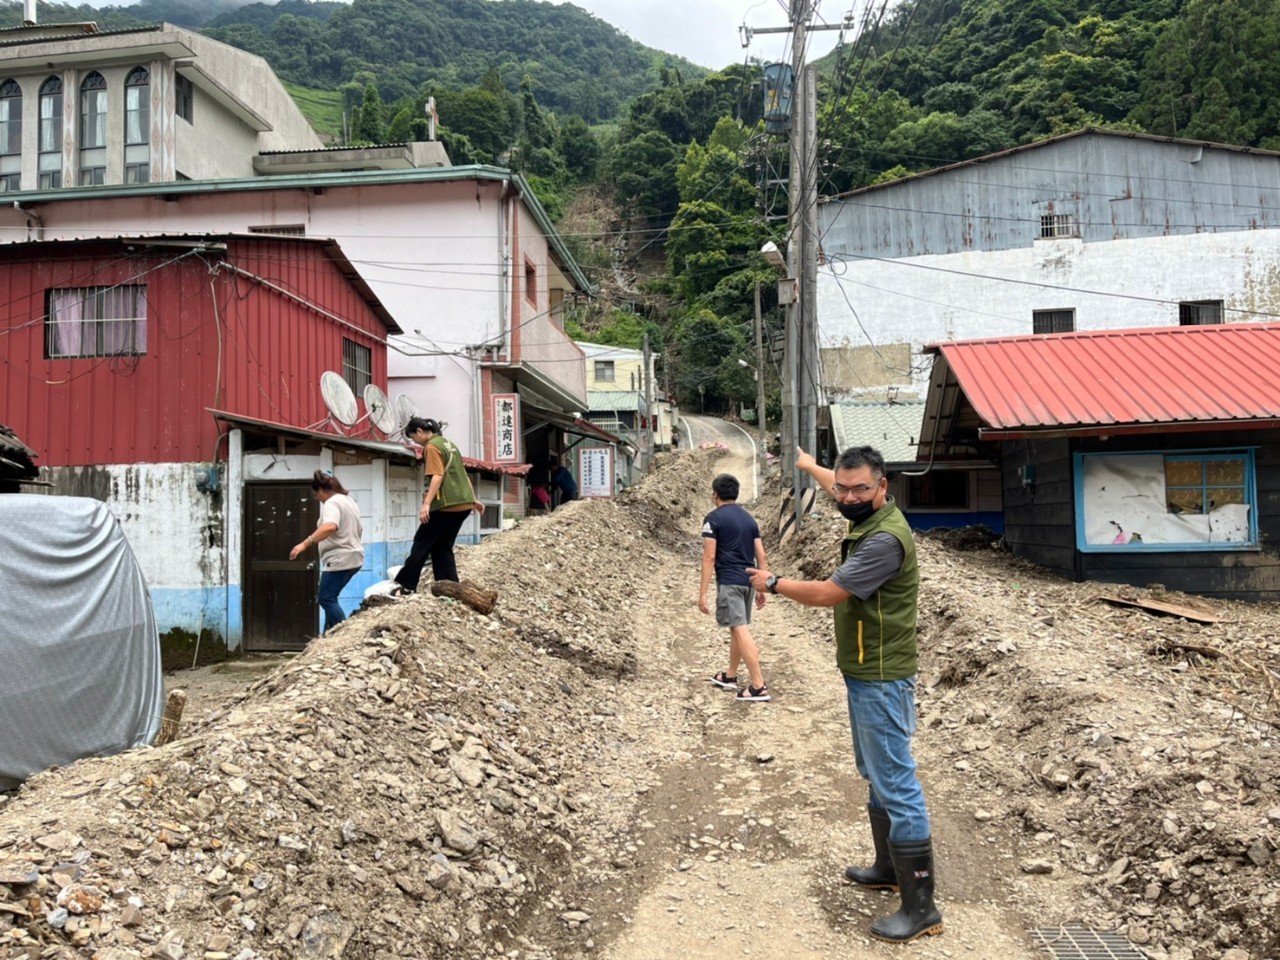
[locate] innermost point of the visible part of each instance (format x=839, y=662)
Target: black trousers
x=433, y=540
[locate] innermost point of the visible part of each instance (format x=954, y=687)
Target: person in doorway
x=338, y=538
x=539, y=498
x=445, y=506
x=675, y=438
x=875, y=593
x=563, y=487
x=730, y=545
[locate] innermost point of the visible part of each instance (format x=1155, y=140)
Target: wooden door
x=280, y=610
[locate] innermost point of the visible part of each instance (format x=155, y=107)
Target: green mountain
x=577, y=63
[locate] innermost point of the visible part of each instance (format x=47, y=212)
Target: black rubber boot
x=880, y=875
x=917, y=917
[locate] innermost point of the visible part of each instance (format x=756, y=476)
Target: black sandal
x=724, y=681
x=751, y=694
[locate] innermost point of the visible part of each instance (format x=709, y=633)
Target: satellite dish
x=380, y=413
x=406, y=409
x=338, y=398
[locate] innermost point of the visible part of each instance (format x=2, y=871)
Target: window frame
x=356, y=377
x=531, y=281
x=137, y=149
x=184, y=98
x=98, y=322
x=50, y=179
x=598, y=365
x=1036, y=315
x=1250, y=487
x=1058, y=226
x=11, y=97
x=1186, y=307
x=93, y=173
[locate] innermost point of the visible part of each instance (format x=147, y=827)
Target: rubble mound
x=1136, y=753
x=401, y=788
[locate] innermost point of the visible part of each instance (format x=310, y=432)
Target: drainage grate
x=1076, y=942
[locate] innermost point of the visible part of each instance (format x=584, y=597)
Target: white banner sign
x=506, y=428
x=595, y=471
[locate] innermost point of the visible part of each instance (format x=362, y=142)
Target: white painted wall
x=1112, y=285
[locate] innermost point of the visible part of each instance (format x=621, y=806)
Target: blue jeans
x=331, y=584
x=882, y=715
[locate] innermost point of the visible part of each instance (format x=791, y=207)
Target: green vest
x=876, y=637
x=455, y=489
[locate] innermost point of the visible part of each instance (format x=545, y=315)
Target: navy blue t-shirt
x=735, y=532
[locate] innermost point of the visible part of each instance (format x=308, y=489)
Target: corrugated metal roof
x=1153, y=377
x=1046, y=141
x=606, y=401
x=892, y=428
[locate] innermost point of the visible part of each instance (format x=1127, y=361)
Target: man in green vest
x=874, y=593
x=447, y=502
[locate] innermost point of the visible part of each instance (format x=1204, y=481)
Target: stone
x=469, y=772
x=18, y=872
x=325, y=936
x=1036, y=866
x=456, y=833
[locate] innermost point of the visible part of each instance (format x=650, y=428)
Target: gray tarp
x=79, y=655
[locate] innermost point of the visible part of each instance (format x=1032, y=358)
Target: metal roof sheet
x=606, y=401
x=893, y=428
x=1152, y=377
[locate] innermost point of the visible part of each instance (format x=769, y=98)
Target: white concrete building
x=1093, y=230
x=83, y=107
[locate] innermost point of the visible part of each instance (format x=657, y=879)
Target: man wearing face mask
x=874, y=594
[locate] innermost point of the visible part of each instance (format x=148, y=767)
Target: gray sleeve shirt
x=873, y=565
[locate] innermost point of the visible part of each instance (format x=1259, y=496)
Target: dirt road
x=744, y=454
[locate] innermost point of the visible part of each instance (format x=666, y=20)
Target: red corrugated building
x=241, y=324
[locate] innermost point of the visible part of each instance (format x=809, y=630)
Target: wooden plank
x=1158, y=606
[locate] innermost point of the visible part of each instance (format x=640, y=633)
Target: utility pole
x=648, y=396
x=802, y=362
x=760, y=418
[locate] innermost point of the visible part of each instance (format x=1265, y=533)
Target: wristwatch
x=771, y=583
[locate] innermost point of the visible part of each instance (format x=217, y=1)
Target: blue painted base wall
x=180, y=608
x=927, y=521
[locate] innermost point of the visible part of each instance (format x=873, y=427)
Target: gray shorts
x=733, y=604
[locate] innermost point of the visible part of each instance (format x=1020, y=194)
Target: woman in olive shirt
x=445, y=505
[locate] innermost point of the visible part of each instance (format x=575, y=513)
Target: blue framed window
x=1166, y=501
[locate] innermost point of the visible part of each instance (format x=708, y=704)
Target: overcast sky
x=706, y=31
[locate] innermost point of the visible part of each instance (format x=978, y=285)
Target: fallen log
x=472, y=594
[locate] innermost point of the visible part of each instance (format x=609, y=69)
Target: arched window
x=93, y=129
x=137, y=126
x=10, y=135
x=51, y=133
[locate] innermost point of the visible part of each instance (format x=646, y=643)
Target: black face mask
x=856, y=512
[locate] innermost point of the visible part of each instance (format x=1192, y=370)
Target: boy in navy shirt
x=731, y=543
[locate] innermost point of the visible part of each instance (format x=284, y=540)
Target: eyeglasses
x=840, y=491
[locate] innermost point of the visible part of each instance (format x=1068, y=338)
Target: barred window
x=1053, y=321
x=1057, y=225
x=96, y=321
x=357, y=365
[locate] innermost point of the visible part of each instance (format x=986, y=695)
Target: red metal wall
x=257, y=353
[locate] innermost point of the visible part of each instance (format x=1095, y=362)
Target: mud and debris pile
x=1136, y=753
x=408, y=786
x=430, y=782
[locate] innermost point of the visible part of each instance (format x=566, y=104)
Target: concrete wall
x=217, y=143
x=189, y=544
x=1110, y=285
